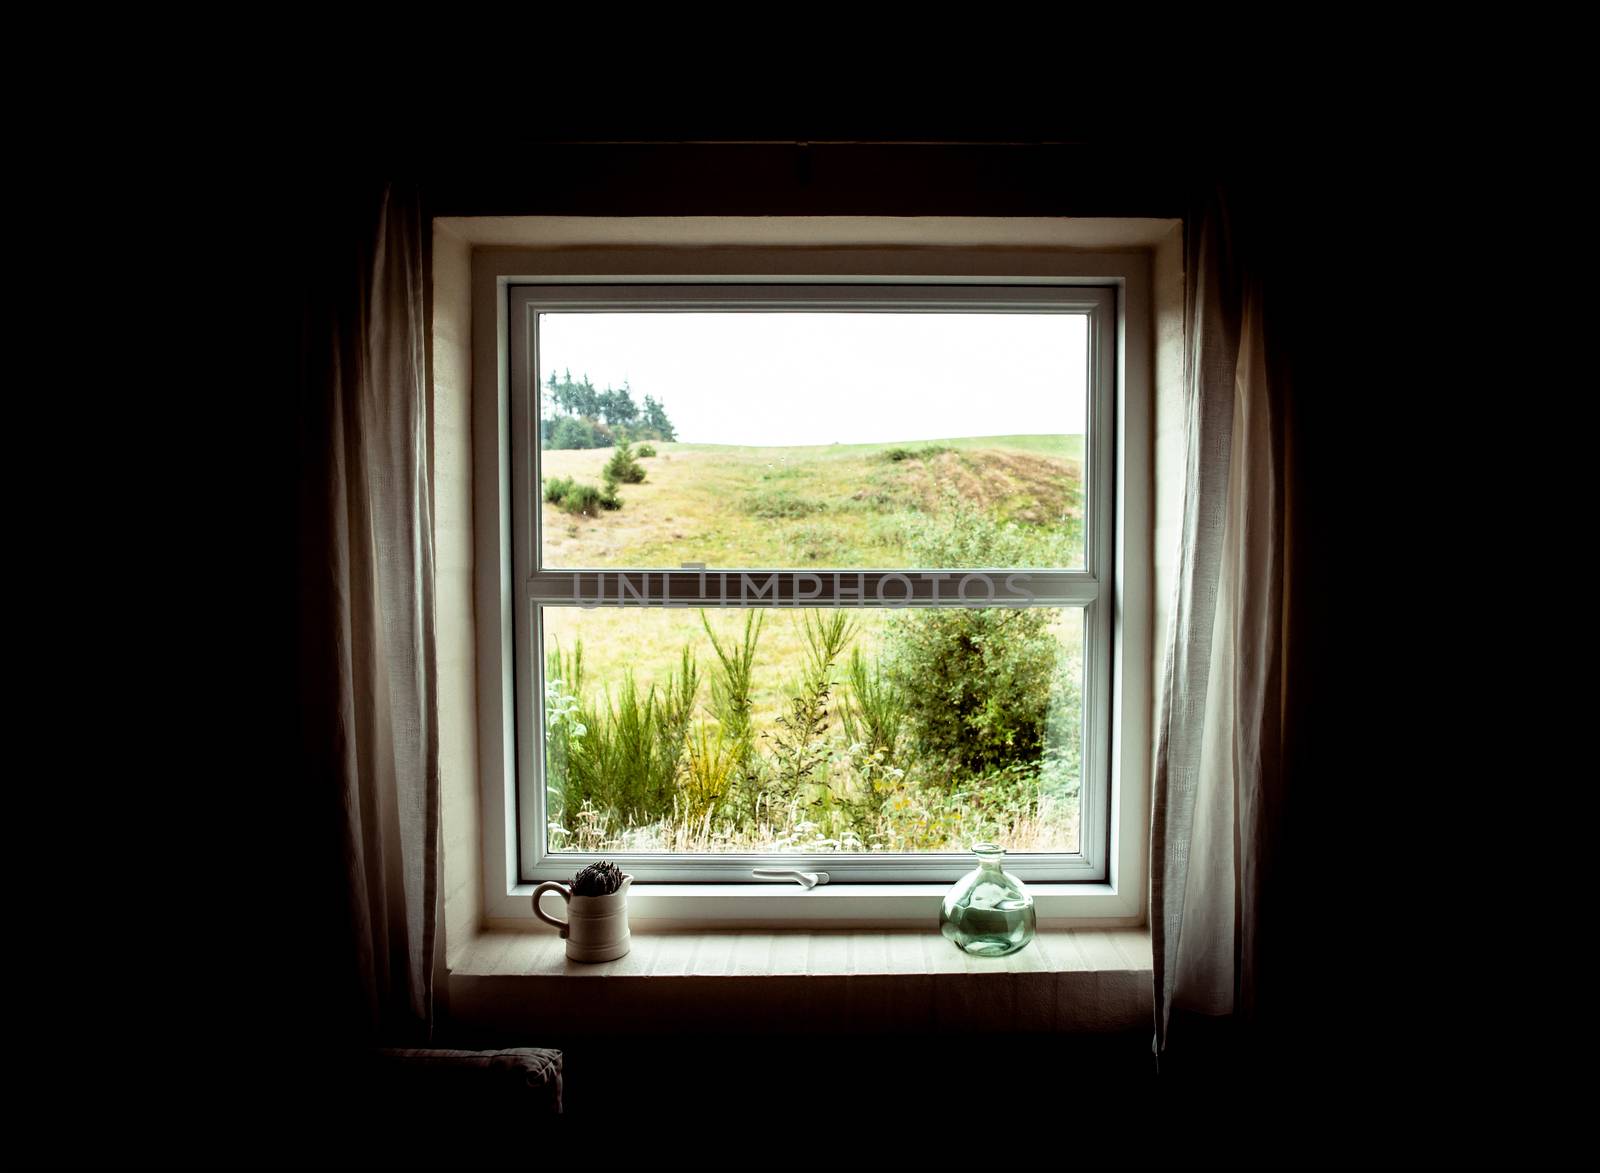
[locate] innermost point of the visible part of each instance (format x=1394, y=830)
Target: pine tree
x=656, y=421
x=586, y=400
x=620, y=409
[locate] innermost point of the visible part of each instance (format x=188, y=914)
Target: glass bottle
x=988, y=913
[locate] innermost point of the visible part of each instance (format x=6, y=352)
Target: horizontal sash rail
x=819, y=588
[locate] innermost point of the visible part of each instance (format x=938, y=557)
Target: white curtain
x=1217, y=811
x=367, y=587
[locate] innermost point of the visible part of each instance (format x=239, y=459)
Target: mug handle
x=551, y=886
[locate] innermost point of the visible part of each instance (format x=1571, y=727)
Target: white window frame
x=1112, y=886
x=537, y=586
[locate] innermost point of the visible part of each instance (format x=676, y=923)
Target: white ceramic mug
x=596, y=928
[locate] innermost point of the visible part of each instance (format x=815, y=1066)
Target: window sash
x=537, y=586
x=962, y=587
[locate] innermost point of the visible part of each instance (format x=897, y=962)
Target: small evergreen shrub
x=580, y=499
x=623, y=468
x=645, y=450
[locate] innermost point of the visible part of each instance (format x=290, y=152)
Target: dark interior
x=1379, y=1042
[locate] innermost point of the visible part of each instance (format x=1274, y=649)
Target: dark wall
x=1297, y=207
x=228, y=940
x=825, y=178
x=1359, y=996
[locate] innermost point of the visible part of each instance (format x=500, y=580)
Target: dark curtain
x=368, y=682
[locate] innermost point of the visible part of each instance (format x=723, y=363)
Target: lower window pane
x=856, y=730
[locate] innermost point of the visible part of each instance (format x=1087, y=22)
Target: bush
x=572, y=432
x=645, y=450
x=627, y=761
x=778, y=503
x=926, y=452
x=731, y=701
x=800, y=748
x=732, y=706
x=976, y=683
x=623, y=468
x=871, y=711
x=580, y=499
x=958, y=535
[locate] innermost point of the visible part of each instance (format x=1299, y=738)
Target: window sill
x=870, y=980
x=695, y=907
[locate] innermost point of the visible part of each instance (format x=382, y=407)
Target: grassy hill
x=828, y=506
x=823, y=507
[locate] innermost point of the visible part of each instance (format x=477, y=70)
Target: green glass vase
x=989, y=912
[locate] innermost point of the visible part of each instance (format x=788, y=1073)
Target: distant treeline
x=586, y=417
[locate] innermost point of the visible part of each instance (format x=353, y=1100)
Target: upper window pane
x=805, y=440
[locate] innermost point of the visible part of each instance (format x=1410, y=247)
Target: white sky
x=823, y=378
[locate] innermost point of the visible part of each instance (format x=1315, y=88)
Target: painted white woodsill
x=804, y=981
x=788, y=907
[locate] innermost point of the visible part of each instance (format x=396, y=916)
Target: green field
x=648, y=642
x=647, y=773
x=840, y=505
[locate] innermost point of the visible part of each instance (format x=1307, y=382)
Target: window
x=788, y=551
x=813, y=576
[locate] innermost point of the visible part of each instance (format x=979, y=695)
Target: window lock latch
x=807, y=880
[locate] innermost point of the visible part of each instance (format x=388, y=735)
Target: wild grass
x=1046, y=826
x=621, y=752
x=816, y=730
x=713, y=765
x=833, y=505
x=758, y=772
